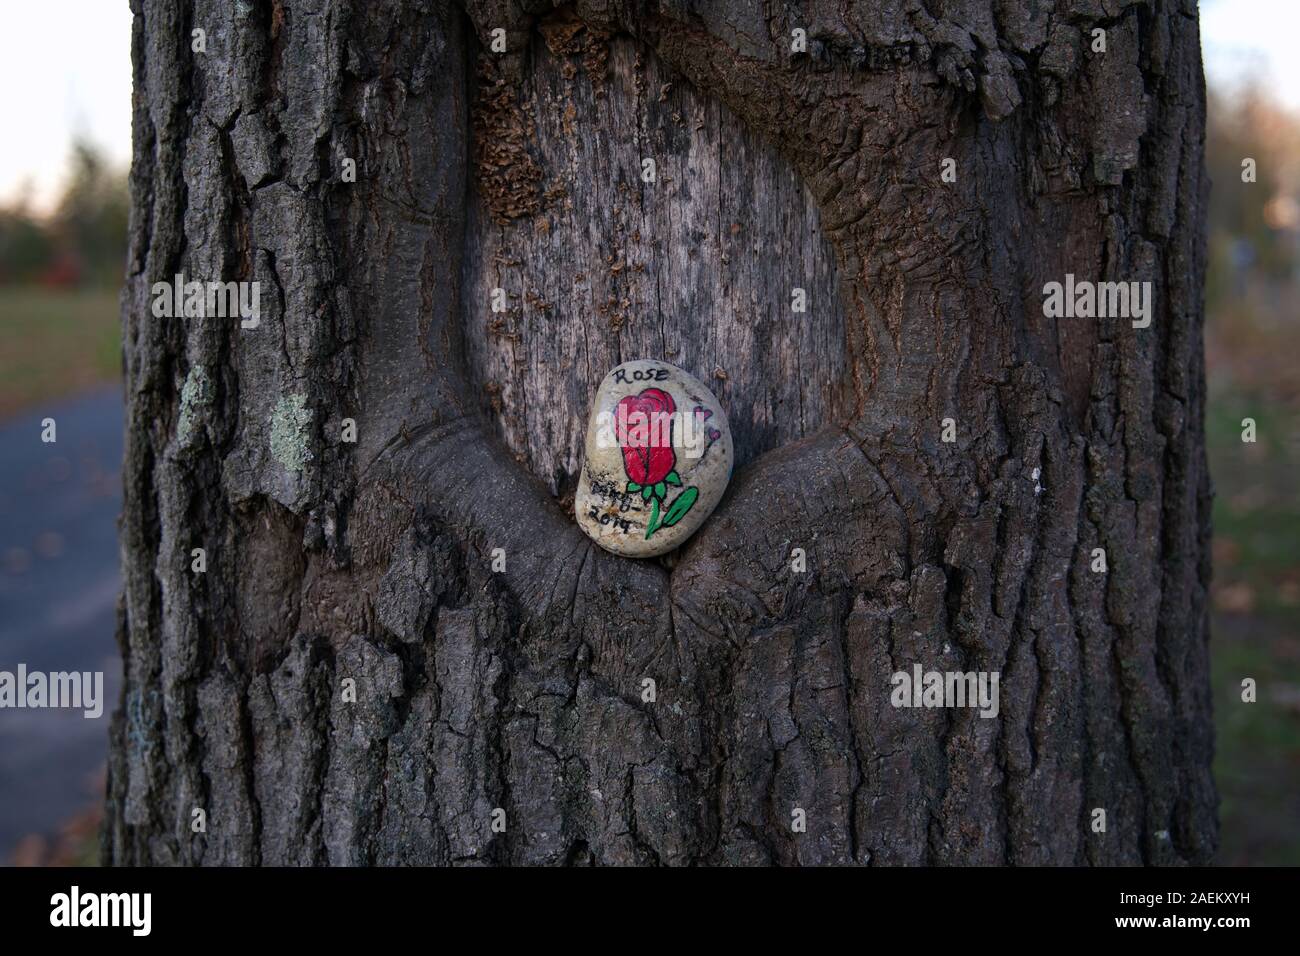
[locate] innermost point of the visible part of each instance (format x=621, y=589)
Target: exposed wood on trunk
x=699, y=267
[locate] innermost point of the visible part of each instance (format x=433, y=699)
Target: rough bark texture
x=371, y=562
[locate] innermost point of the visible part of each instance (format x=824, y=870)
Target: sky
x=65, y=71
x=1245, y=40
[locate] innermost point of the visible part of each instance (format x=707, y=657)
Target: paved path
x=59, y=582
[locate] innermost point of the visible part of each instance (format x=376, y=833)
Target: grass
x=1257, y=752
x=1256, y=591
x=56, y=343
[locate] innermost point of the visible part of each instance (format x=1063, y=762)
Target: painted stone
x=658, y=458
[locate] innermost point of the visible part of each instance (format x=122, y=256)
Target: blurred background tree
x=60, y=272
x=83, y=243
x=92, y=216
x=26, y=246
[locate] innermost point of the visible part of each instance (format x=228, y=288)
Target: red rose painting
x=643, y=425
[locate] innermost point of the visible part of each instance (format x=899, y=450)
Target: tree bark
x=501, y=716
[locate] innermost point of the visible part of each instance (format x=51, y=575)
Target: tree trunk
x=353, y=679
